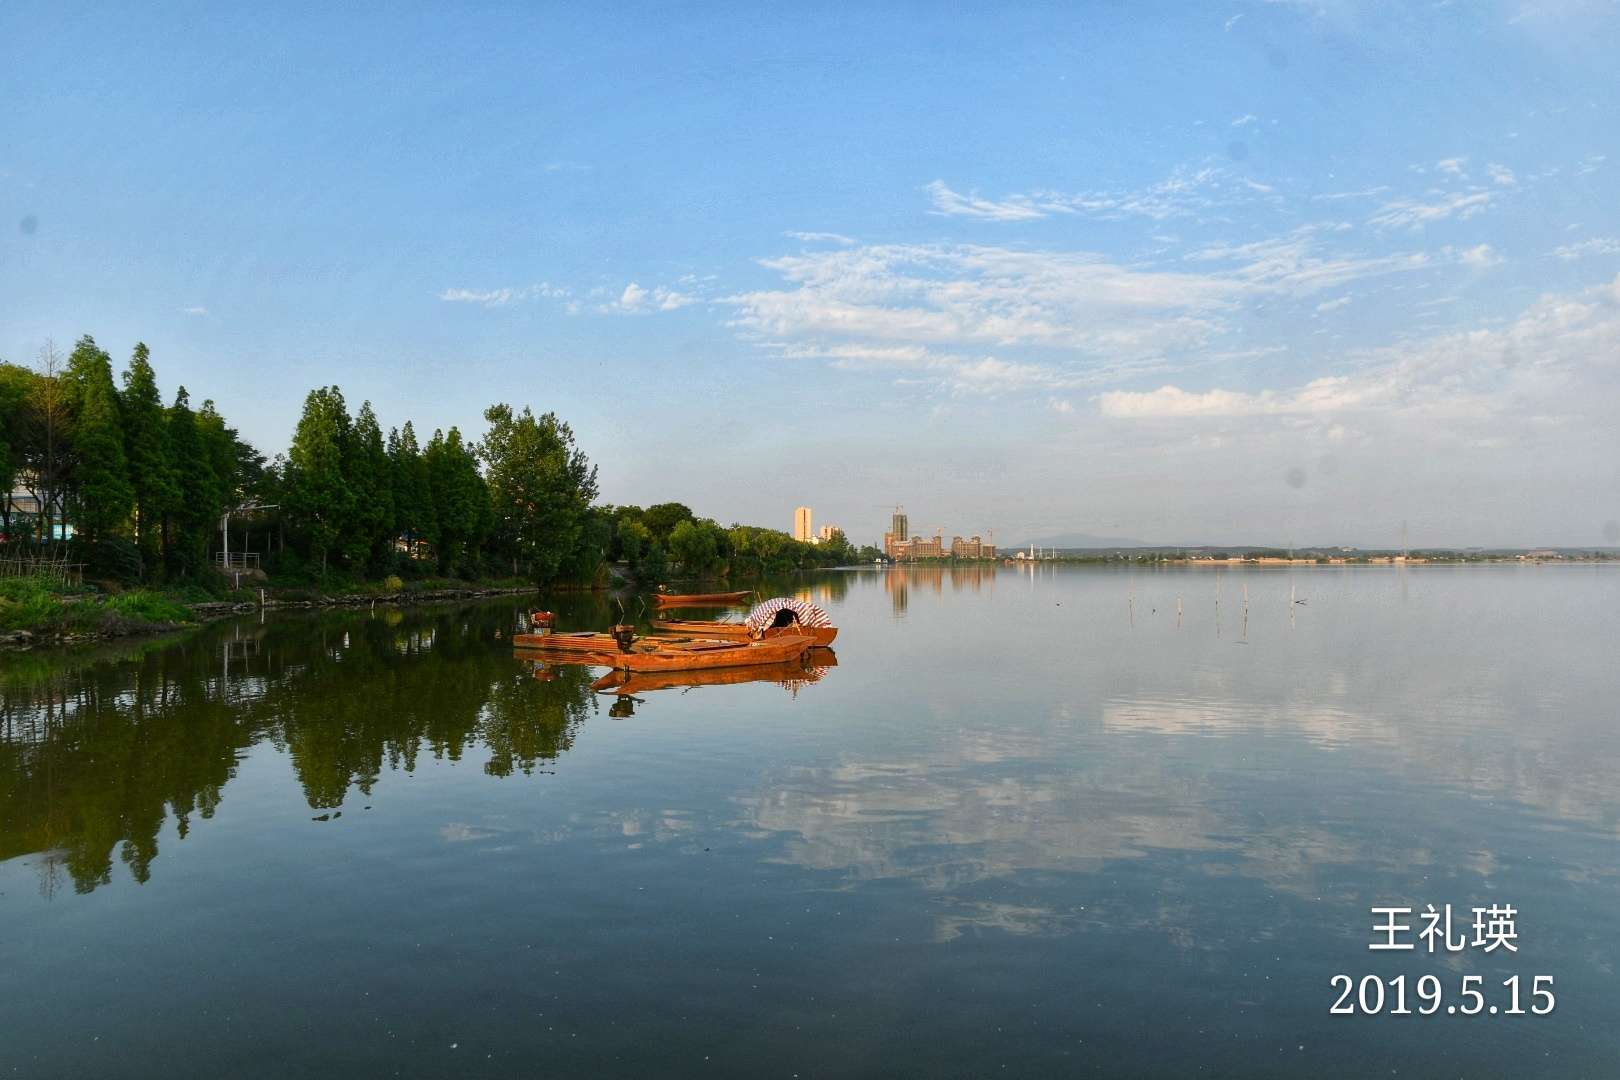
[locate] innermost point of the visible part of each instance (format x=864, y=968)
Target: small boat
x=724, y=631
x=580, y=641
x=718, y=599
x=621, y=649
x=691, y=654
x=782, y=615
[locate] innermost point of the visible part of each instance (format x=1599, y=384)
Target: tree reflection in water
x=95, y=755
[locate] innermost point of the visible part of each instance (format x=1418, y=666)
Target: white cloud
x=1559, y=358
x=1063, y=406
x=493, y=298
x=1185, y=192
x=1598, y=245
x=821, y=238
x=1479, y=256
x=637, y=300
x=1245, y=119
x=1453, y=166
x=1233, y=21
x=194, y=311
x=1333, y=305
x=1501, y=174
x=1320, y=395
x=1415, y=214
x=954, y=204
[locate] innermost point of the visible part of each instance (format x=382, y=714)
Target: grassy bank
x=45, y=609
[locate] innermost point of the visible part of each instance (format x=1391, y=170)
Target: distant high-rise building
x=801, y=525
x=900, y=527
x=825, y=533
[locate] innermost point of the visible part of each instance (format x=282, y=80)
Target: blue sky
x=1242, y=272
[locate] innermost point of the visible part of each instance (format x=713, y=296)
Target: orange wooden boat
x=678, y=654
x=663, y=654
x=727, y=631
x=700, y=599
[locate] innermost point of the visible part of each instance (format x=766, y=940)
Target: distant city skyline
x=1248, y=273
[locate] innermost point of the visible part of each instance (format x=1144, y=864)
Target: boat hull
x=821, y=635
x=699, y=599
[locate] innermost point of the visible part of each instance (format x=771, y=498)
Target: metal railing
x=236, y=560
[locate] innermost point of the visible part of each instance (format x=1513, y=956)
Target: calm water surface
x=1030, y=824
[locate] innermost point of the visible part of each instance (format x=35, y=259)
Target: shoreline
x=116, y=628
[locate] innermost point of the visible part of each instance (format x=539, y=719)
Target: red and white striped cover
x=807, y=613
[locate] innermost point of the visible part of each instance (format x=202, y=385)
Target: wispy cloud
x=1501, y=174
x=194, y=311
x=1320, y=395
x=1559, y=356
x=1245, y=120
x=1189, y=191
x=821, y=238
x=1598, y=245
x=955, y=204
x=1416, y=213
x=494, y=298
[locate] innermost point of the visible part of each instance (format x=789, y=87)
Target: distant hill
x=1083, y=540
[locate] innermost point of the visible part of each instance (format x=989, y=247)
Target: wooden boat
x=581, y=641
x=691, y=654
x=792, y=675
x=663, y=654
x=718, y=599
x=727, y=631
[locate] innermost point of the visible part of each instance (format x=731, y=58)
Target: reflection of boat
x=717, y=598
x=784, y=615
x=793, y=675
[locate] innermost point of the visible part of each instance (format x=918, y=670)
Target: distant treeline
x=140, y=487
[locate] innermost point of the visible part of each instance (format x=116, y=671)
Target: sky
x=1273, y=273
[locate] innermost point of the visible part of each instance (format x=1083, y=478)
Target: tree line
x=138, y=488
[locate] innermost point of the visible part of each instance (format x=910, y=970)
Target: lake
x=1032, y=823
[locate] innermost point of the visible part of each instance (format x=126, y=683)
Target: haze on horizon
x=1250, y=273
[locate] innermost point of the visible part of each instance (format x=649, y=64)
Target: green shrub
x=28, y=602
x=148, y=606
x=393, y=584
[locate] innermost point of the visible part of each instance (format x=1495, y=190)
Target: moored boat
x=821, y=635
x=700, y=599
x=782, y=615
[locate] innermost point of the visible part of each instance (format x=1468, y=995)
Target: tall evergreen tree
x=460, y=499
x=369, y=474
x=102, y=494
x=319, y=501
x=413, y=494
x=190, y=521
x=151, y=475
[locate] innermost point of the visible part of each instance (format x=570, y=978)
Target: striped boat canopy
x=804, y=613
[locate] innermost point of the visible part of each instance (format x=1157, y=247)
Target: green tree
x=460, y=500
x=662, y=519
x=369, y=473
x=319, y=501
x=151, y=475
x=541, y=487
x=189, y=523
x=102, y=494
x=16, y=393
x=696, y=546
x=413, y=494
